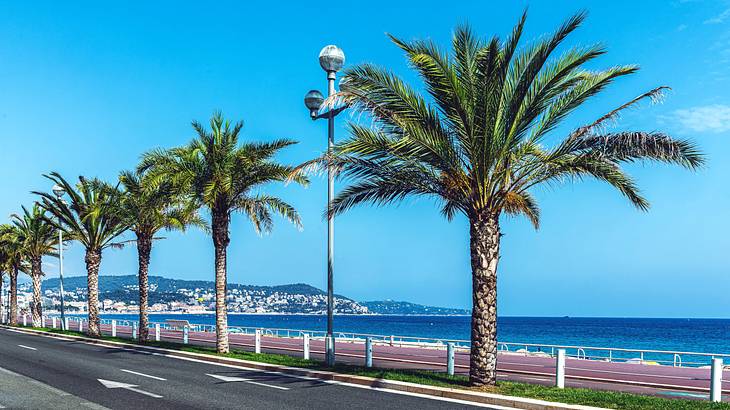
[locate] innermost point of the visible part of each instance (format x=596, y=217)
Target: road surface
x=45, y=372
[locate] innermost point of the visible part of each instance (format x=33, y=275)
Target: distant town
x=120, y=294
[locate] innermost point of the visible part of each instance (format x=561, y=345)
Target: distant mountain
x=389, y=307
x=116, y=283
x=178, y=294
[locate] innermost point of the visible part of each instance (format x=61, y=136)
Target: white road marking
x=143, y=375
x=131, y=387
x=294, y=376
x=229, y=379
x=27, y=347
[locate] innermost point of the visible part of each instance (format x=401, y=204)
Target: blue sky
x=85, y=89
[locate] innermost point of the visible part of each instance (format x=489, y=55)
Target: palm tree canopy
x=478, y=141
x=12, y=250
x=94, y=215
x=37, y=236
x=151, y=207
x=223, y=175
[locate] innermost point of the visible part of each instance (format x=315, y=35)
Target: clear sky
x=86, y=88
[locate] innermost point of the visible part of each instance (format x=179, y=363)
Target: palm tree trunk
x=484, y=246
x=36, y=308
x=144, y=248
x=221, y=239
x=93, y=260
x=14, y=296
x=2, y=307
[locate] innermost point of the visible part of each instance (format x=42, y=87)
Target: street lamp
x=59, y=191
x=331, y=58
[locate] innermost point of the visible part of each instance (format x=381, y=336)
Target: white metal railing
x=607, y=354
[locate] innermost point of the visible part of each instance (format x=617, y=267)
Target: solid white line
x=143, y=375
x=27, y=347
x=423, y=396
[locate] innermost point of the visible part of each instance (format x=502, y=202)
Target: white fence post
x=368, y=352
x=716, y=380
x=25, y=320
x=560, y=369
x=53, y=322
x=43, y=321
x=257, y=341
x=186, y=334
x=114, y=328
x=134, y=330
x=81, y=324
x=157, y=332
x=450, y=359
x=305, y=340
x=65, y=323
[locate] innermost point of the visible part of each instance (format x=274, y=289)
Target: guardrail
x=606, y=354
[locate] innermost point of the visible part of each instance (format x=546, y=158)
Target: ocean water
x=692, y=335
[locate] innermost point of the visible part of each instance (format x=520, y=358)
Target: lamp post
x=59, y=192
x=331, y=59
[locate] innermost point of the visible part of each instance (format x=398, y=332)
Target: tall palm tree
x=14, y=261
x=38, y=237
x=2, y=285
x=94, y=218
x=224, y=176
x=483, y=138
x=150, y=208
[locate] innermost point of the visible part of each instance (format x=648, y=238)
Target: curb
x=445, y=392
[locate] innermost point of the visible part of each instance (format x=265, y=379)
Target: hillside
x=389, y=307
x=188, y=295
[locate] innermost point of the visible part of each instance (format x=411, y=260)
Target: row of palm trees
x=480, y=138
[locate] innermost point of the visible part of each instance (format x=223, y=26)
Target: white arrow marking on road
x=131, y=387
x=27, y=347
x=229, y=379
x=143, y=375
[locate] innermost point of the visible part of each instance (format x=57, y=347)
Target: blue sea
x=694, y=335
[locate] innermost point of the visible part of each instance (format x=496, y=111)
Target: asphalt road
x=45, y=372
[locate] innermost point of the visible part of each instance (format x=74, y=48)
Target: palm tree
x=150, y=208
x=14, y=261
x=2, y=284
x=38, y=237
x=224, y=177
x=482, y=140
x=94, y=218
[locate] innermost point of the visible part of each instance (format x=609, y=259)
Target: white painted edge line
x=424, y=396
x=27, y=347
x=143, y=375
